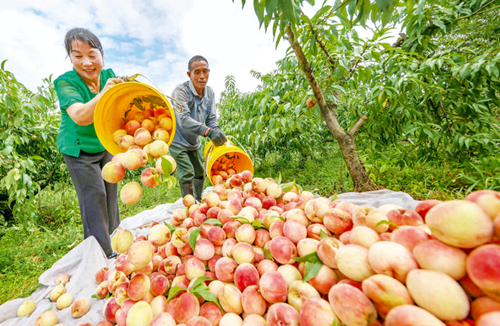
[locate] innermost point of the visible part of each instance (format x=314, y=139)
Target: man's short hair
x=194, y=59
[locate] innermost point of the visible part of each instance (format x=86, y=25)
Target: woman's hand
x=111, y=82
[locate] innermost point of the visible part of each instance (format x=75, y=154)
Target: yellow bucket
x=113, y=106
x=228, y=155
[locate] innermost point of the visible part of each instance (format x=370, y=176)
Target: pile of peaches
x=143, y=137
x=255, y=252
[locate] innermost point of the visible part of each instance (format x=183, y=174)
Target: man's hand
x=217, y=136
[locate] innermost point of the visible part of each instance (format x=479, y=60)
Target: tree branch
x=479, y=11
x=358, y=124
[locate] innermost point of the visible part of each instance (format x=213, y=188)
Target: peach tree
x=30, y=161
x=437, y=98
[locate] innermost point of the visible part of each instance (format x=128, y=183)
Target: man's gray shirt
x=197, y=115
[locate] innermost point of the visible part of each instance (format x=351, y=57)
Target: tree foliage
x=436, y=88
x=29, y=123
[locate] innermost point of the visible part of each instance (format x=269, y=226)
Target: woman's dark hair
x=196, y=58
x=84, y=35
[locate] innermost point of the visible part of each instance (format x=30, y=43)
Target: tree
x=29, y=124
x=368, y=78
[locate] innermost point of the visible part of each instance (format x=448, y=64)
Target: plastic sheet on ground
x=83, y=261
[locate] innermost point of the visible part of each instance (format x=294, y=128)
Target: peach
x=488, y=200
x=125, y=141
x=470, y=287
x=344, y=237
x=186, y=307
x=299, y=291
x=231, y=319
x=483, y=305
x=252, y=301
x=102, y=289
x=140, y=314
x=295, y=231
x=246, y=176
x=404, y=217
x=283, y=250
x=180, y=238
x=158, y=148
x=234, y=180
x=234, y=206
x=62, y=279
x=245, y=233
x=165, y=123
x=148, y=124
x=409, y=236
x=158, y=305
x=230, y=299
x=364, y=236
x=140, y=254
x=159, y=285
x=259, y=184
x=316, y=208
x=370, y=217
x=261, y=237
x=212, y=212
x=307, y=246
x=161, y=134
x=194, y=268
x=227, y=247
x=80, y=307
x=131, y=193
x=351, y=305
x=460, y=223
x=150, y=177
x=386, y=293
x=392, y=259
x=243, y=252
x=204, y=249
x=64, y=301
x=483, y=267
x=489, y=319
x=113, y=172
x=245, y=275
x=409, y=315
x=110, y=309
x=265, y=266
x=337, y=220
x=324, y=280
x=317, y=230
x=254, y=320
x=121, y=241
x=211, y=263
x=212, y=200
x=317, y=311
x=169, y=265
x=159, y=235
x=211, y=312
x=297, y=215
x=117, y=134
x=225, y=268
x=131, y=160
x=142, y=136
x=273, y=287
x=142, y=153
x=282, y=314
x=99, y=275
x=424, y=206
x=327, y=250
x=274, y=190
x=198, y=321
x=56, y=292
x=162, y=319
x=435, y=255
x=268, y=201
x=215, y=287
x=47, y=318
x=276, y=228
x=438, y=293
x=26, y=308
x=290, y=273
x=139, y=286
x=352, y=261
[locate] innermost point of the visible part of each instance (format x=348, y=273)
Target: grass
x=29, y=248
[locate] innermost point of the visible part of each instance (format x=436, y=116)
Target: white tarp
x=83, y=261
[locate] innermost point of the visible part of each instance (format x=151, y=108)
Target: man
x=198, y=118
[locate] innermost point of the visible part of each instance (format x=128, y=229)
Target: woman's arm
x=83, y=114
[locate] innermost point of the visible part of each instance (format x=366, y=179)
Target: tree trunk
x=360, y=178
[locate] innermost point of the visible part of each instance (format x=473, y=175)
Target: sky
x=155, y=38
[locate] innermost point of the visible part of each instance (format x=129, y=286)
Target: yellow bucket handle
x=212, y=147
x=133, y=77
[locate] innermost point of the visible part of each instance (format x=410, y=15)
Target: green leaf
x=312, y=269
x=199, y=281
x=386, y=222
x=322, y=234
x=258, y=225
x=193, y=237
x=241, y=219
x=170, y=227
x=271, y=6
x=384, y=4
x=166, y=166
x=173, y=292
x=213, y=221
x=209, y=296
x=288, y=186
x=312, y=257
x=268, y=255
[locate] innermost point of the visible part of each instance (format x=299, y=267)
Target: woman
x=78, y=91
